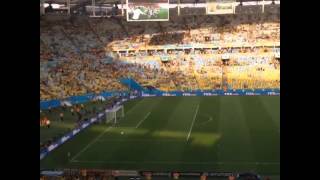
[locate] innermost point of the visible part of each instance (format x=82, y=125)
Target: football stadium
x=160, y=89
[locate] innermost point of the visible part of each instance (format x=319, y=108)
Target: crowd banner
x=147, y=10
x=220, y=6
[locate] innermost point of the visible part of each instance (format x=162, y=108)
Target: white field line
x=194, y=118
x=91, y=143
x=177, y=162
x=145, y=117
x=139, y=140
x=96, y=139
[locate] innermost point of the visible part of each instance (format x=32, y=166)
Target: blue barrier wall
x=150, y=93
x=51, y=103
x=80, y=99
x=144, y=92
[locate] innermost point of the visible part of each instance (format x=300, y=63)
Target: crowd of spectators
x=224, y=30
x=204, y=70
x=75, y=77
x=74, y=54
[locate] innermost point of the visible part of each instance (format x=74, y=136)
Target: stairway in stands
x=133, y=85
x=224, y=78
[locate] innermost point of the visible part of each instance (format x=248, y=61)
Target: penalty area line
x=194, y=118
x=90, y=144
x=145, y=117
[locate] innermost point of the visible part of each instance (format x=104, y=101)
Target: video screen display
x=144, y=10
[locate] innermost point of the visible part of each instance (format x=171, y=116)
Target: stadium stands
x=190, y=52
x=73, y=54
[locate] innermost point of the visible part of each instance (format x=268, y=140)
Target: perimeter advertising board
x=147, y=10
x=220, y=6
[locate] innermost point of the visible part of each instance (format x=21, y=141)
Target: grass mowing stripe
x=143, y=119
x=272, y=107
x=235, y=133
x=139, y=111
x=194, y=118
x=90, y=144
x=134, y=106
x=206, y=122
x=245, y=134
x=262, y=129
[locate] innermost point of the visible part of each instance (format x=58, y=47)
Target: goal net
x=115, y=114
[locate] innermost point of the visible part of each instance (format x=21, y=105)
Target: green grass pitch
x=221, y=133
x=59, y=128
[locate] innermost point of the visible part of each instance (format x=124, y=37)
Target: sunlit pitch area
x=186, y=133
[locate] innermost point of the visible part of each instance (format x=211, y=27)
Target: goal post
x=114, y=114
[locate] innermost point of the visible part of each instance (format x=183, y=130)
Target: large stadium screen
x=220, y=6
x=147, y=10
